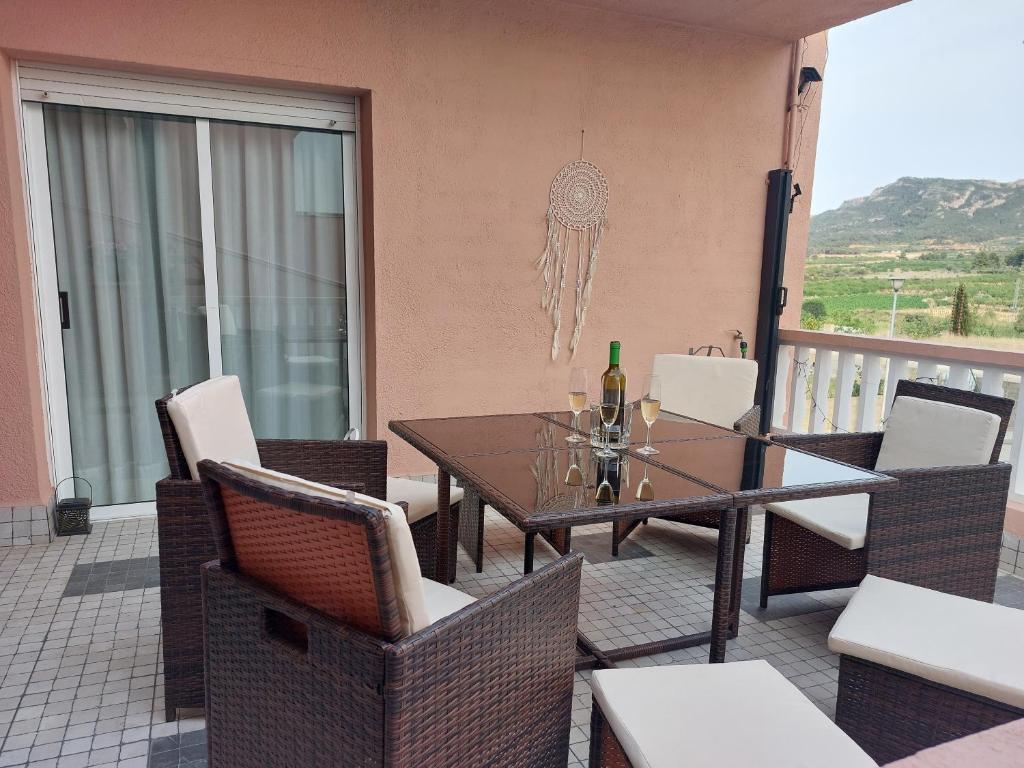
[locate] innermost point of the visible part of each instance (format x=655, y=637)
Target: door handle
x=65, y=313
x=783, y=299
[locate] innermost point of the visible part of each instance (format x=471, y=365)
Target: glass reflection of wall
x=279, y=208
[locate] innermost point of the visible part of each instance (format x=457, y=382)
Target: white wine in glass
x=650, y=407
x=577, y=401
x=611, y=402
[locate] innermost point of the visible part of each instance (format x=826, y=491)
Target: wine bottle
x=613, y=388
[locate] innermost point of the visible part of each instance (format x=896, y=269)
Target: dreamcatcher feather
x=578, y=200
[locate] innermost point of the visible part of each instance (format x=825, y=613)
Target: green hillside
x=934, y=233
x=927, y=214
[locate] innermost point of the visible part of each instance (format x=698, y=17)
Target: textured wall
x=475, y=106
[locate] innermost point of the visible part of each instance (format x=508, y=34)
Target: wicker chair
x=941, y=528
x=186, y=541
x=718, y=390
x=345, y=683
x=919, y=667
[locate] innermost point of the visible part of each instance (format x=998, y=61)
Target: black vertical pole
x=772, y=298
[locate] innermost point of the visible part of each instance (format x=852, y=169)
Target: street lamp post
x=896, y=283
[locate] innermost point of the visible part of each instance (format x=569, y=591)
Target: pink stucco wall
x=475, y=106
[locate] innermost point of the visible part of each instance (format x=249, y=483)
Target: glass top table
x=522, y=465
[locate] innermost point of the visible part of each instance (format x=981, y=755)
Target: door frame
x=44, y=270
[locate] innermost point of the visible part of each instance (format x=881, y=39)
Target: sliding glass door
x=279, y=202
x=179, y=248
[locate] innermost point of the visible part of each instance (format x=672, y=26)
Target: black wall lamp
x=808, y=75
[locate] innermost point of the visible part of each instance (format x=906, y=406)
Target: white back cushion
x=405, y=568
x=714, y=389
x=926, y=433
x=212, y=423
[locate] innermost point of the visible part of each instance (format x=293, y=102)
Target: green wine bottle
x=613, y=390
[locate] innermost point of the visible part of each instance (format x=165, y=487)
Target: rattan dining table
x=525, y=469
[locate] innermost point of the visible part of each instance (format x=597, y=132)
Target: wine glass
x=611, y=402
x=577, y=401
x=650, y=406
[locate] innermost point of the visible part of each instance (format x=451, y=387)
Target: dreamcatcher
x=579, y=197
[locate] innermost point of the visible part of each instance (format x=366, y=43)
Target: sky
x=929, y=88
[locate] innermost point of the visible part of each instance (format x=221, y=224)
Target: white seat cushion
x=442, y=600
x=965, y=644
x=714, y=389
x=212, y=423
x=842, y=519
x=410, y=586
x=926, y=433
x=421, y=496
x=665, y=717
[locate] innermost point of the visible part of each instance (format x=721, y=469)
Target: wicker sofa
x=186, y=541
x=315, y=655
x=941, y=528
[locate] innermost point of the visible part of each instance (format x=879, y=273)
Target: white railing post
x=928, y=371
x=992, y=381
x=870, y=376
x=897, y=371
x=783, y=368
x=842, y=411
x=798, y=390
x=959, y=376
x=822, y=379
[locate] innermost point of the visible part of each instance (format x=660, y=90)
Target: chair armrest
x=750, y=422
x=511, y=655
x=341, y=463
x=857, y=448
x=941, y=528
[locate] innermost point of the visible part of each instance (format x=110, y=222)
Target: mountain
x=928, y=213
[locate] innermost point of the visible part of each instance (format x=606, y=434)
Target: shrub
x=960, y=317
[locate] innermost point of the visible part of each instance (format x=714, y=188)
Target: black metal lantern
x=73, y=513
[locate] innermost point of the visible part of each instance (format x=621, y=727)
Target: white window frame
x=203, y=101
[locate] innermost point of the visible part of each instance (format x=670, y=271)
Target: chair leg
x=528, y=553
x=766, y=557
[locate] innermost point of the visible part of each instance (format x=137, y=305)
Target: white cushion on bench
x=420, y=495
x=965, y=644
x=739, y=714
x=926, y=433
x=842, y=519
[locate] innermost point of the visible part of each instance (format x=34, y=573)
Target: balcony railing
x=828, y=382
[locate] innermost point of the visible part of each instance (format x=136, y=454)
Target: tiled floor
x=80, y=639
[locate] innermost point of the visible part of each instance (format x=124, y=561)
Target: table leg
x=444, y=516
x=528, y=553
x=739, y=553
x=722, y=606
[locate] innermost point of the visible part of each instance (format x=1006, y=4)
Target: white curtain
x=281, y=271
x=125, y=202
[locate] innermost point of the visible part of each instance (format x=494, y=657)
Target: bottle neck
x=613, y=357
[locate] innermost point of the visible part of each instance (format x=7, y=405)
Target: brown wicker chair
x=288, y=685
x=186, y=542
x=941, y=528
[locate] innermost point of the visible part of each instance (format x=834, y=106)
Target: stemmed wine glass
x=577, y=401
x=611, y=402
x=650, y=407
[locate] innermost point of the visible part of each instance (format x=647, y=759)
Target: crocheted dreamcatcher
x=579, y=197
